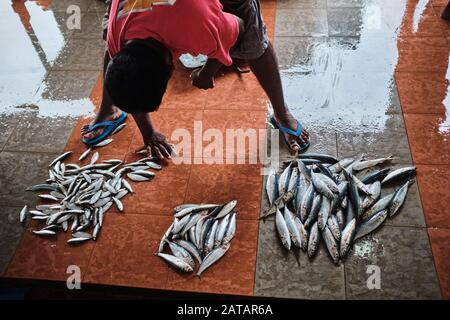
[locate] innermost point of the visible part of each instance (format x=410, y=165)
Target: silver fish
x=94, y=158
x=375, y=190
x=118, y=203
x=333, y=225
x=231, y=229
x=81, y=234
x=180, y=252
x=399, y=174
x=103, y=143
x=221, y=228
x=398, y=199
x=165, y=237
x=380, y=205
x=321, y=186
x=96, y=231
x=272, y=187
x=137, y=177
x=283, y=230
x=209, y=242
x=372, y=224
x=313, y=214
x=213, y=257
x=119, y=128
x=190, y=248
x=303, y=234
x=227, y=209
x=179, y=225
x=329, y=182
x=44, y=232
x=189, y=209
x=60, y=158
x=23, y=214
x=48, y=197
x=127, y=185
x=347, y=238
x=153, y=165
x=331, y=244
x=307, y=202
x=361, y=165
x=85, y=154
x=324, y=212
x=283, y=181
x=293, y=180
x=292, y=228
x=314, y=240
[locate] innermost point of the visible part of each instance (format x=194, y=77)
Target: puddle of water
x=347, y=83
x=35, y=41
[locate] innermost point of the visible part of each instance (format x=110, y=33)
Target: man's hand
x=201, y=81
x=158, y=146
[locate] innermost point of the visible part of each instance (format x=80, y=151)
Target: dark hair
x=136, y=77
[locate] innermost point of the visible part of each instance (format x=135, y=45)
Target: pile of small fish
x=200, y=231
x=321, y=197
x=83, y=195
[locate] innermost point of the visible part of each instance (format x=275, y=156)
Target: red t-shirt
x=187, y=26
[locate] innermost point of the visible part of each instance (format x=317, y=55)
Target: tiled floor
x=365, y=76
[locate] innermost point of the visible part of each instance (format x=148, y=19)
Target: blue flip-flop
x=109, y=127
x=296, y=133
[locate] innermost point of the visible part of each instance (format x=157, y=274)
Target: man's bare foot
x=288, y=121
x=112, y=114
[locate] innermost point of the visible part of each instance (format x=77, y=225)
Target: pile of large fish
x=82, y=196
x=317, y=196
x=199, y=231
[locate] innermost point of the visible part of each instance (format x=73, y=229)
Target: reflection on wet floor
x=35, y=38
x=345, y=80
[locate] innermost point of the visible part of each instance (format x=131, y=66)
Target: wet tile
x=222, y=183
x=422, y=54
x=62, y=5
x=279, y=274
x=345, y=22
x=440, y=243
x=405, y=262
x=391, y=139
x=234, y=92
x=433, y=182
x=68, y=85
x=40, y=134
x=48, y=258
x=301, y=51
x=124, y=252
x=423, y=92
x=426, y=25
x=301, y=4
x=345, y=3
x=7, y=125
x=181, y=94
x=430, y=144
x=233, y=274
x=268, y=11
x=10, y=234
x=90, y=26
x=160, y=195
x=301, y=22
x=98, y=6
x=81, y=54
x=21, y=170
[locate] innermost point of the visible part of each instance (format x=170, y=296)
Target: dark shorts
x=252, y=43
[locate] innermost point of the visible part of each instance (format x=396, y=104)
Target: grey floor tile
x=68, y=85
x=391, y=139
x=345, y=22
x=7, y=124
x=98, y=6
x=81, y=54
x=91, y=26
x=279, y=274
x=404, y=258
x=301, y=22
x=301, y=4
x=301, y=52
x=21, y=170
x=63, y=5
x=10, y=234
x=345, y=3
x=40, y=134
